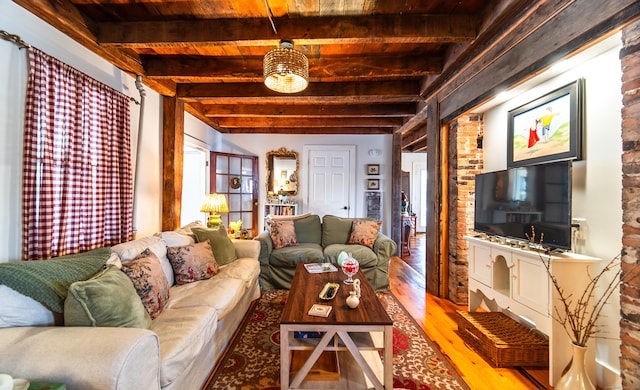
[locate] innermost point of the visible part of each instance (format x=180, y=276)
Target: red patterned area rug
x=253, y=360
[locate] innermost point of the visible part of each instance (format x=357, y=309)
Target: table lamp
x=214, y=204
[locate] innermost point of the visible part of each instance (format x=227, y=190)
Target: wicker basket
x=503, y=341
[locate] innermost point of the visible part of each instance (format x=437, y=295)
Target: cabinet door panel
x=530, y=283
x=480, y=264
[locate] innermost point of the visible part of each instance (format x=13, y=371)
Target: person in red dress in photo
x=533, y=133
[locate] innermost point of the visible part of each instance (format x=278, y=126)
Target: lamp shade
x=285, y=69
x=215, y=203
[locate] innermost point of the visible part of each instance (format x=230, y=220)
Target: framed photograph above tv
x=548, y=128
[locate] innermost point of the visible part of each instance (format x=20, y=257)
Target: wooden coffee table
x=363, y=331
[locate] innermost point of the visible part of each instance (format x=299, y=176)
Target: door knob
x=345, y=207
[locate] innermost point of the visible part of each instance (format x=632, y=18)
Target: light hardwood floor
x=437, y=317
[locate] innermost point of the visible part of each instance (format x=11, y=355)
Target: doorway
x=236, y=177
x=329, y=171
x=194, y=185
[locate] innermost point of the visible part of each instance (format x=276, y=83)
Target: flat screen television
x=509, y=203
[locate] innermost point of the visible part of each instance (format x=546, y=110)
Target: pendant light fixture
x=285, y=69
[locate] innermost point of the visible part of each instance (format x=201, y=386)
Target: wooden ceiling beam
x=417, y=121
x=420, y=146
x=64, y=16
x=269, y=121
x=415, y=137
x=308, y=110
x=200, y=68
x=304, y=31
x=353, y=92
x=312, y=130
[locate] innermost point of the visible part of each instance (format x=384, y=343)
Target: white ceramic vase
x=576, y=378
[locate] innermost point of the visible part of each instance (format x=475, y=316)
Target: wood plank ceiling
x=368, y=59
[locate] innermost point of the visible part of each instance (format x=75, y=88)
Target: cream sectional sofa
x=177, y=352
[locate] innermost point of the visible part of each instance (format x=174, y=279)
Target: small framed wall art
x=373, y=169
x=373, y=184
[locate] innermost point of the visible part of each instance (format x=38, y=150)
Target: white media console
x=503, y=276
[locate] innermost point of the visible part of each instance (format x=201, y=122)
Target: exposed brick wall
x=465, y=160
x=630, y=292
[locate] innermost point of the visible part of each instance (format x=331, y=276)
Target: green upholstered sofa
x=319, y=240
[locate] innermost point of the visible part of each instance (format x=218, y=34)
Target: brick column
x=630, y=292
x=465, y=160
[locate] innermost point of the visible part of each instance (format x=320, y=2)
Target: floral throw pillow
x=192, y=262
x=283, y=234
x=364, y=232
x=145, y=271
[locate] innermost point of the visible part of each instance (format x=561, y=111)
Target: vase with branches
x=579, y=314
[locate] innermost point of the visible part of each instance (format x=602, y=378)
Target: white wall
x=597, y=180
x=13, y=73
x=260, y=145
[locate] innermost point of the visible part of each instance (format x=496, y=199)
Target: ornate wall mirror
x=282, y=172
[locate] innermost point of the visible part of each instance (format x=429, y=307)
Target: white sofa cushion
x=219, y=294
x=245, y=269
x=129, y=250
x=175, y=238
x=20, y=310
x=182, y=332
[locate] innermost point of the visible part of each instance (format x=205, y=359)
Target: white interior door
x=419, y=195
x=330, y=177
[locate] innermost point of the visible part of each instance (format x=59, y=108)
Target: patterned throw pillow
x=145, y=271
x=192, y=262
x=283, y=234
x=364, y=232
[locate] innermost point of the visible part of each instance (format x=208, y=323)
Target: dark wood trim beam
x=314, y=130
x=186, y=68
x=64, y=16
x=196, y=112
x=417, y=121
x=396, y=189
x=540, y=36
x=419, y=134
x=308, y=110
x=419, y=146
x=435, y=198
x=268, y=121
x=324, y=30
x=353, y=92
x=172, y=157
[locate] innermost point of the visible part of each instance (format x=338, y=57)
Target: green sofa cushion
x=107, y=299
x=365, y=256
x=221, y=245
x=301, y=253
x=308, y=229
x=336, y=230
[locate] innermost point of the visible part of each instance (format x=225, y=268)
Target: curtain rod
x=24, y=45
x=15, y=39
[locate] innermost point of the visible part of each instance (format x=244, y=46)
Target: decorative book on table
x=320, y=310
x=318, y=268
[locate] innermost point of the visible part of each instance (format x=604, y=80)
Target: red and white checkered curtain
x=77, y=180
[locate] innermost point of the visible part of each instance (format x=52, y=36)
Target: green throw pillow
x=221, y=245
x=107, y=299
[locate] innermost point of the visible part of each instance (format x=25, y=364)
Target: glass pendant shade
x=285, y=69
